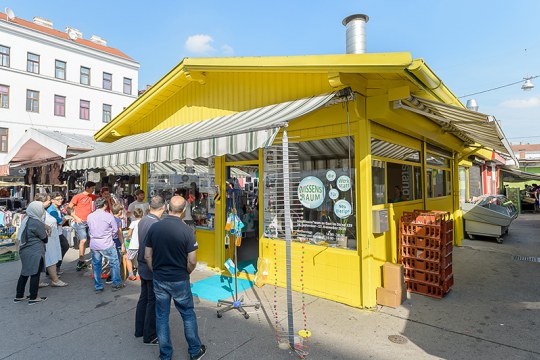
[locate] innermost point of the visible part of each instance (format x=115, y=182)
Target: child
x=133, y=236
x=118, y=212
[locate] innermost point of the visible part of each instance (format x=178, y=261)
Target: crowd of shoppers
x=163, y=246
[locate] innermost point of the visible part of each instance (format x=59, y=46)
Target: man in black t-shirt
x=170, y=254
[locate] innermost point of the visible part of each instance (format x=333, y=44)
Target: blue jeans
x=180, y=292
x=112, y=255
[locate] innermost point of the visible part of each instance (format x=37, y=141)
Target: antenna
x=10, y=14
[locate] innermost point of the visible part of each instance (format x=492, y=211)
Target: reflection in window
x=378, y=185
x=322, y=194
x=403, y=182
x=192, y=179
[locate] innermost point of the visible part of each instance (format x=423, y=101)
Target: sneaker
x=37, y=300
x=99, y=291
x=59, y=272
x=43, y=284
x=109, y=280
x=118, y=287
x=81, y=265
x=200, y=354
x=18, y=300
x=154, y=341
x=132, y=278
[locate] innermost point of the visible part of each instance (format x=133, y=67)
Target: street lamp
x=527, y=85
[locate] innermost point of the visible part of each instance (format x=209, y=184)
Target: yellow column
x=143, y=179
x=363, y=206
x=458, y=216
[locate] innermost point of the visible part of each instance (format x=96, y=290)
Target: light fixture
x=527, y=85
x=472, y=105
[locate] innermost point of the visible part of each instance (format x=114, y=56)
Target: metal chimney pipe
x=356, y=33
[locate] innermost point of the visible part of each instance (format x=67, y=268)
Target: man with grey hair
x=102, y=227
x=170, y=254
x=145, y=316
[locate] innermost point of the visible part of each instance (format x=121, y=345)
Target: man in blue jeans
x=102, y=227
x=170, y=254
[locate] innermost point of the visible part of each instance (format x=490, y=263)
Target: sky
x=472, y=46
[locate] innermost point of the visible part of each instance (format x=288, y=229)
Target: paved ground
x=493, y=312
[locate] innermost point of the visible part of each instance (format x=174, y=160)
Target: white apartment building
x=58, y=80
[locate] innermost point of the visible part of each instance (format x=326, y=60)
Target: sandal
x=59, y=283
x=43, y=284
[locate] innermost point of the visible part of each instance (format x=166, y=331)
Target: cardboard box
x=393, y=277
x=391, y=298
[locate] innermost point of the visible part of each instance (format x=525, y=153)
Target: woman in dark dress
x=32, y=238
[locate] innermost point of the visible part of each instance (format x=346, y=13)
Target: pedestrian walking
x=170, y=254
x=102, y=227
x=80, y=207
x=32, y=237
x=145, y=316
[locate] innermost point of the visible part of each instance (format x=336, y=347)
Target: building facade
x=58, y=80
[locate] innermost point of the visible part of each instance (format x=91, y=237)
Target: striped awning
x=232, y=134
x=470, y=126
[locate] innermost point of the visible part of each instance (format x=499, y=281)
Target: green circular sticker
x=344, y=183
x=342, y=209
x=331, y=175
x=311, y=192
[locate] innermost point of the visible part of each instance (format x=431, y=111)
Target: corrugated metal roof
x=77, y=141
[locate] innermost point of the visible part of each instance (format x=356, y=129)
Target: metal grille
x=527, y=258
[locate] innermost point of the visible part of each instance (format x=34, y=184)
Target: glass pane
x=439, y=181
x=418, y=183
x=322, y=192
x=393, y=151
x=378, y=184
x=437, y=160
x=402, y=182
x=192, y=179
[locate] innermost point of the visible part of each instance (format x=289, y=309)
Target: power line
x=499, y=87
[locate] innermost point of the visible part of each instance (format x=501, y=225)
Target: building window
x=4, y=140
x=4, y=56
x=395, y=172
x=439, y=183
x=107, y=113
x=32, y=101
x=60, y=69
x=84, y=110
x=322, y=193
x=85, y=75
x=59, y=105
x=107, y=81
x=32, y=63
x=127, y=86
x=4, y=96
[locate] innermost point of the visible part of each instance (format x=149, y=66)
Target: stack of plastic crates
x=8, y=248
x=426, y=252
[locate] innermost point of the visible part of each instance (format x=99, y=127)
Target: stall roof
x=513, y=175
x=37, y=146
x=241, y=132
x=470, y=126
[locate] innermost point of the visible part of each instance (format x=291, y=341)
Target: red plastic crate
x=428, y=266
x=436, y=291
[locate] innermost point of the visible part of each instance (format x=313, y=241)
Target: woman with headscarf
x=32, y=237
x=53, y=251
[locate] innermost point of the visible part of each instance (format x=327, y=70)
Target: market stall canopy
x=232, y=134
x=37, y=146
x=513, y=175
x=470, y=126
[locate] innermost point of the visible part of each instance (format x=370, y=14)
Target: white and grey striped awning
x=232, y=134
x=470, y=126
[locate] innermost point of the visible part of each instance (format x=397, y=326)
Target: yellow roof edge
x=172, y=75
x=422, y=73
